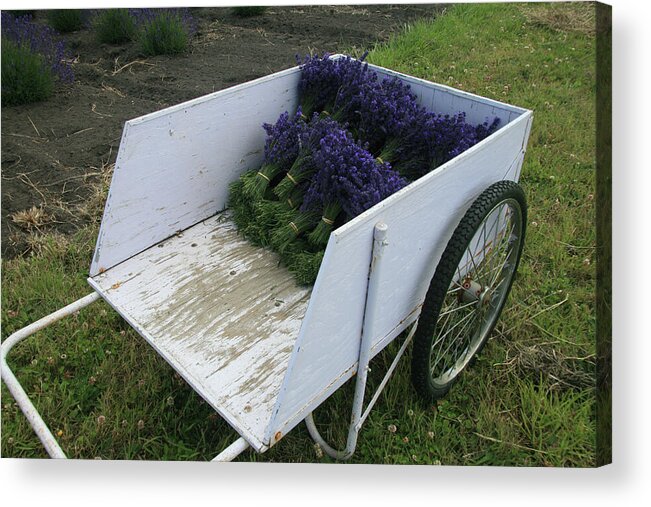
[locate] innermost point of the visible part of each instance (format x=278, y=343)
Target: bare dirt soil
x=57, y=155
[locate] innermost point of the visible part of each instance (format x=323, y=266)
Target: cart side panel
x=174, y=166
x=420, y=218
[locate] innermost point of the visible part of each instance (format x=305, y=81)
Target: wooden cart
x=261, y=350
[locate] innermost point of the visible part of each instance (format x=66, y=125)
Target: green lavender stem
x=319, y=236
x=299, y=172
x=256, y=186
x=283, y=236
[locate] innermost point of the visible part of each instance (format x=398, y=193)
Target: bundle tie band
x=264, y=176
x=379, y=160
x=293, y=226
x=291, y=204
x=292, y=179
x=328, y=221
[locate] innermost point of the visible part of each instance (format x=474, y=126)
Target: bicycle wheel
x=469, y=288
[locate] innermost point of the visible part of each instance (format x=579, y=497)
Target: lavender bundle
x=295, y=224
x=319, y=83
x=280, y=151
x=334, y=88
x=452, y=135
x=386, y=114
x=354, y=141
x=348, y=179
x=303, y=166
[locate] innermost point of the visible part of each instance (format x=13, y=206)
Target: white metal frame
x=357, y=417
x=35, y=420
x=25, y=404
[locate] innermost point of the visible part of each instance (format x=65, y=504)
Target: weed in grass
x=39, y=244
x=558, y=424
x=563, y=17
x=114, y=26
x=67, y=20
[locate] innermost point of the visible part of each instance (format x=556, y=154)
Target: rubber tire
x=440, y=283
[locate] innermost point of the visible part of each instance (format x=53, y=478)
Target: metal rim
x=477, y=291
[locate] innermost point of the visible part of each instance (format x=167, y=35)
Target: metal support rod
x=388, y=374
x=34, y=418
x=368, y=333
x=233, y=450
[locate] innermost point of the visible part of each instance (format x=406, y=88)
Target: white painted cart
x=262, y=351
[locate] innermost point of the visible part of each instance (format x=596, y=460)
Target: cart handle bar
x=35, y=420
x=33, y=417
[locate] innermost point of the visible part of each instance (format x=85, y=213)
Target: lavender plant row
x=354, y=141
x=145, y=17
x=38, y=39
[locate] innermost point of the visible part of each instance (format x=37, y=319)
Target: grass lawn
x=528, y=401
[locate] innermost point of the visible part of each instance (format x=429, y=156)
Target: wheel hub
x=485, y=297
x=472, y=291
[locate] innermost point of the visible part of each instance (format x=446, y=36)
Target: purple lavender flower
x=448, y=136
x=333, y=85
x=386, y=112
x=319, y=82
x=303, y=165
x=39, y=39
x=284, y=139
x=347, y=178
x=280, y=151
x=385, y=115
x=349, y=175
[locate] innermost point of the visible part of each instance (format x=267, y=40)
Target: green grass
x=528, y=401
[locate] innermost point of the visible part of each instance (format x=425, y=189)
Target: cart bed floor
x=221, y=311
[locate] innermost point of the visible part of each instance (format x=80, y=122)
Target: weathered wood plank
x=174, y=166
x=222, y=312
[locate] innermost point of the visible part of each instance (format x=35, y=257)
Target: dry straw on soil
x=32, y=218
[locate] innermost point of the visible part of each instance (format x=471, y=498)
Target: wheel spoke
x=495, y=261
x=472, y=259
x=490, y=249
x=493, y=298
x=462, y=307
x=508, y=246
x=442, y=356
x=442, y=337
